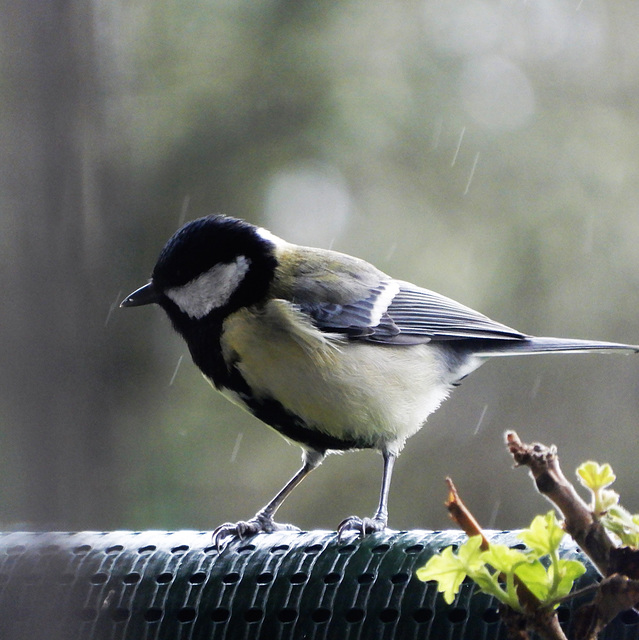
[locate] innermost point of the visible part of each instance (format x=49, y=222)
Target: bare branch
x=615, y=594
x=462, y=517
x=550, y=481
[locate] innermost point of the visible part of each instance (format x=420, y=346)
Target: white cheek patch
x=211, y=290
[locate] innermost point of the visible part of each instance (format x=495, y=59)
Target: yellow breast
x=358, y=390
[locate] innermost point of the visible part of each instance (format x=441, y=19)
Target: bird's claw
x=245, y=529
x=361, y=526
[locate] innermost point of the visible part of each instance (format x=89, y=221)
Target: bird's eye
x=210, y=290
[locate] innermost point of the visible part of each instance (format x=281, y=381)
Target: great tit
x=326, y=349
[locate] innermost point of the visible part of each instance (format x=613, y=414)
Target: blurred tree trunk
x=57, y=423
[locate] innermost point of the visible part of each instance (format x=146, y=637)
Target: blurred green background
x=487, y=150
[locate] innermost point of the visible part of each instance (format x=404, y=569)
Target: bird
x=321, y=346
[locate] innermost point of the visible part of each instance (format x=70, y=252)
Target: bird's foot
x=361, y=526
x=224, y=534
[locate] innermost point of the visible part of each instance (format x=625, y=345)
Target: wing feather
x=420, y=312
x=347, y=295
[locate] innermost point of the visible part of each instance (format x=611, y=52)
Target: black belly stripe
x=207, y=355
x=288, y=424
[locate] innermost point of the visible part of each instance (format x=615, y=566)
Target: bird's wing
x=419, y=312
x=340, y=293
x=348, y=295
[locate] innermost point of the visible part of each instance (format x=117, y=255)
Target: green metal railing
x=157, y=585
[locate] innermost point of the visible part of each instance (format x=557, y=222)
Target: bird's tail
x=532, y=345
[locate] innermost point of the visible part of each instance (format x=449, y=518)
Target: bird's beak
x=147, y=294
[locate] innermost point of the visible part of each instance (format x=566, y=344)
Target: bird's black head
x=209, y=268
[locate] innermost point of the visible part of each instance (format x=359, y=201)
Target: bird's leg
x=382, y=510
x=364, y=526
x=263, y=521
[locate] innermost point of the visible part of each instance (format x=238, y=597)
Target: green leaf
x=621, y=515
x=503, y=559
x=536, y=578
x=623, y=524
x=595, y=476
x=450, y=569
x=606, y=499
x=488, y=583
x=448, y=572
x=470, y=552
x=544, y=534
x=542, y=583
x=496, y=570
x=569, y=571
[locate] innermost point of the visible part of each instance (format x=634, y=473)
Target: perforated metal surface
x=162, y=585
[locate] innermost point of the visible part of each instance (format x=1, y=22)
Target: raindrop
x=481, y=419
x=236, y=446
x=106, y=603
x=493, y=514
x=472, y=173
x=177, y=366
x=184, y=209
x=114, y=305
x=459, y=144
x=391, y=251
